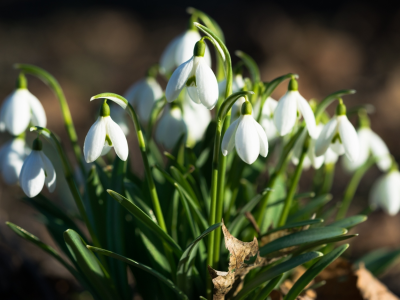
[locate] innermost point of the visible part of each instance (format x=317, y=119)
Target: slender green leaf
x=300, y=238
x=318, y=244
x=250, y=64
x=313, y=271
x=187, y=258
x=310, y=207
x=297, y=224
x=349, y=222
x=90, y=266
x=264, y=292
x=168, y=282
x=276, y=271
x=146, y=220
x=378, y=261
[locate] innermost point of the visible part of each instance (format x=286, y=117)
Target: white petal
x=285, y=113
x=330, y=156
x=325, y=137
x=118, y=138
x=197, y=118
x=12, y=156
x=119, y=117
x=385, y=193
x=222, y=87
x=263, y=139
x=178, y=80
x=131, y=93
x=308, y=115
x=381, y=151
x=32, y=175
x=269, y=127
x=17, y=113
x=228, y=140
x=50, y=173
x=364, y=138
x=207, y=85
x=37, y=111
x=167, y=62
x=269, y=107
x=237, y=83
x=146, y=97
x=106, y=149
x=349, y=138
x=193, y=94
x=247, y=142
x=94, y=140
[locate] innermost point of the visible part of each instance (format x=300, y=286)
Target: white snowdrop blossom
x=340, y=134
x=289, y=105
x=170, y=127
x=237, y=85
x=370, y=144
x=12, y=156
x=267, y=118
x=103, y=135
x=311, y=159
x=247, y=136
x=180, y=50
x=142, y=95
x=200, y=80
x=21, y=108
x=385, y=192
x=197, y=118
x=37, y=171
x=330, y=157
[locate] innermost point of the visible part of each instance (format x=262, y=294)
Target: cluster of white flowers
x=192, y=84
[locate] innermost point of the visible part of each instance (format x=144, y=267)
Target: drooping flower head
x=143, y=94
x=247, y=136
x=197, y=76
x=103, y=135
x=12, y=156
x=385, y=193
x=286, y=111
x=21, y=108
x=341, y=134
x=180, y=50
x=36, y=171
x=370, y=144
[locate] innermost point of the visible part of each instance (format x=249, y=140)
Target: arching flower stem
x=69, y=124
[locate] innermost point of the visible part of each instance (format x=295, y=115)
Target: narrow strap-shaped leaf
x=320, y=243
x=276, y=271
x=183, y=182
x=264, y=293
x=250, y=64
x=166, y=281
x=187, y=258
x=378, y=261
x=313, y=271
x=146, y=220
x=310, y=207
x=299, y=238
x=349, y=222
x=90, y=266
x=297, y=224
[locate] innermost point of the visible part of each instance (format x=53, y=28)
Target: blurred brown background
x=93, y=47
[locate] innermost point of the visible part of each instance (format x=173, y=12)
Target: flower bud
x=246, y=108
x=293, y=85
x=199, y=48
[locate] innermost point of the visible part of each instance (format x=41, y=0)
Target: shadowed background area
x=102, y=47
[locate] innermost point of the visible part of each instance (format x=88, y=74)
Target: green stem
x=293, y=187
x=352, y=187
x=279, y=169
x=69, y=124
x=68, y=174
x=148, y=174
x=328, y=180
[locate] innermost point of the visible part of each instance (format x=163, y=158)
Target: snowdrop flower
x=247, y=136
x=341, y=134
x=286, y=111
x=180, y=50
x=200, y=80
x=171, y=127
x=267, y=118
x=330, y=157
x=142, y=95
x=197, y=118
x=103, y=135
x=36, y=171
x=370, y=143
x=21, y=108
x=12, y=156
x=311, y=159
x=385, y=193
x=237, y=85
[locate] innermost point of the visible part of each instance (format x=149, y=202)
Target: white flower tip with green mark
x=105, y=133
x=37, y=171
x=19, y=109
x=248, y=137
x=385, y=193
